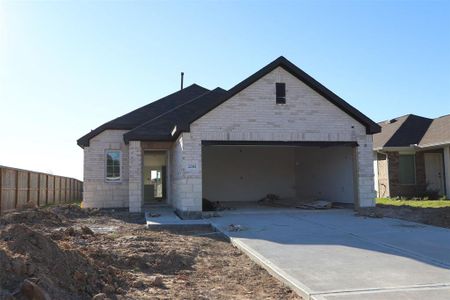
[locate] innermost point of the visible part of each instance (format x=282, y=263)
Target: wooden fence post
x=38, y=200
x=1, y=189
x=16, y=196
x=54, y=189
x=46, y=189
x=28, y=186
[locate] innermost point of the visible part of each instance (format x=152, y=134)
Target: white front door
x=434, y=172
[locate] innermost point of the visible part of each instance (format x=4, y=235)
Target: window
x=281, y=92
x=407, y=169
x=113, y=165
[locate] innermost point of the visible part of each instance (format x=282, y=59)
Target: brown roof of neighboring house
x=438, y=132
x=410, y=130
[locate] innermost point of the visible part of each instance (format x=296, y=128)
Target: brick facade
x=389, y=186
x=136, y=181
x=250, y=115
x=406, y=190
x=98, y=192
x=253, y=115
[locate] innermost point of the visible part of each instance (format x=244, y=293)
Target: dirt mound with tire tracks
x=60, y=273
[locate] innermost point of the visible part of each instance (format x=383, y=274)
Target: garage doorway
x=298, y=172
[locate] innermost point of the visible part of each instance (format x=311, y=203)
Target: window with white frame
x=113, y=168
x=407, y=169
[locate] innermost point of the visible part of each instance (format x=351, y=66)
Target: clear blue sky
x=68, y=66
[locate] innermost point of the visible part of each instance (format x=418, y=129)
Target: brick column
x=365, y=173
x=447, y=170
x=136, y=186
x=187, y=177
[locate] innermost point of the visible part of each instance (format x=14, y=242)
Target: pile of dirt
x=29, y=256
x=66, y=252
x=32, y=216
x=138, y=249
x=74, y=211
x=54, y=216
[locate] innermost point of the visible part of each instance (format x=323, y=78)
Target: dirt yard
x=69, y=253
x=431, y=216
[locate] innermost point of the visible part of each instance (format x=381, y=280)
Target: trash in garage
x=235, y=227
x=210, y=206
x=269, y=199
x=318, y=204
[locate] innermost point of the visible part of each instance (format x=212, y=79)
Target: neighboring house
x=412, y=157
x=279, y=131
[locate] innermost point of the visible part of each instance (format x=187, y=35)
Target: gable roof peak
x=371, y=126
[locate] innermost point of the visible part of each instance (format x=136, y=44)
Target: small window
x=281, y=92
x=407, y=169
x=113, y=165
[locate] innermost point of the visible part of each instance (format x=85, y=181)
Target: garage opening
x=240, y=173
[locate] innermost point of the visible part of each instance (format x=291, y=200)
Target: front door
x=434, y=172
x=155, y=166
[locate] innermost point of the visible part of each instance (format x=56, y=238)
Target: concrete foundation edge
x=297, y=287
x=189, y=215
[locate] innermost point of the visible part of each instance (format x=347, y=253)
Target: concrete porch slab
x=165, y=216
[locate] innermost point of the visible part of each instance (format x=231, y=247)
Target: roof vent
x=392, y=121
x=182, y=77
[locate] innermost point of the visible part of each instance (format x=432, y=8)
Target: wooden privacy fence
x=19, y=188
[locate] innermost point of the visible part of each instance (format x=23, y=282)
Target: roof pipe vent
x=182, y=77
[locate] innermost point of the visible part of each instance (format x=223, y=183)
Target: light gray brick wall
x=253, y=115
x=98, y=192
x=186, y=183
x=136, y=184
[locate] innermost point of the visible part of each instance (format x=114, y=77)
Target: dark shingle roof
x=147, y=112
x=401, y=132
x=161, y=127
x=371, y=126
x=438, y=132
x=156, y=120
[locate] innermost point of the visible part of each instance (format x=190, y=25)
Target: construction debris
x=269, y=199
x=276, y=201
x=210, y=206
x=234, y=227
x=319, y=204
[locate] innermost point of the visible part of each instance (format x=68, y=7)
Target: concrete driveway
x=335, y=255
